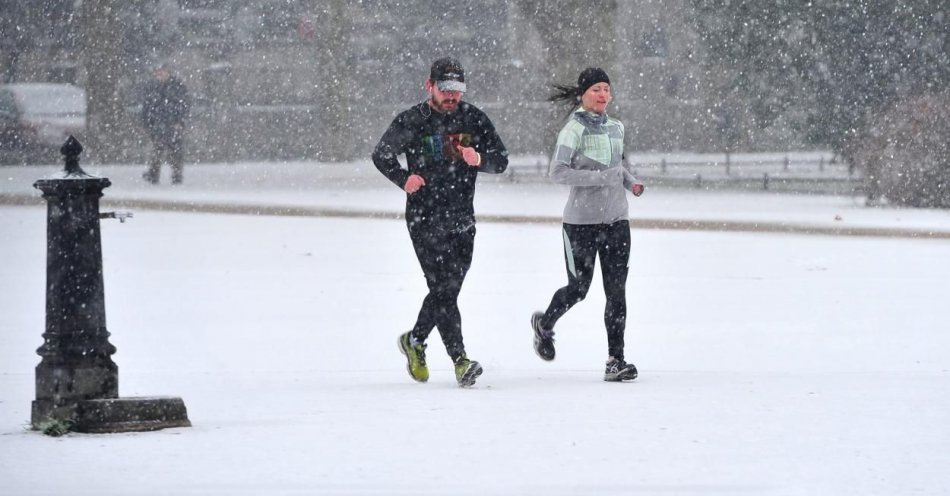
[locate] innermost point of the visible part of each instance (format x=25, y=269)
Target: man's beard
x=445, y=105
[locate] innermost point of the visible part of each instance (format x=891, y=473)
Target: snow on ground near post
x=770, y=364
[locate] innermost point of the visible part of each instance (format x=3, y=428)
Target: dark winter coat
x=428, y=139
x=165, y=108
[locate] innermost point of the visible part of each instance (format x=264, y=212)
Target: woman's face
x=596, y=98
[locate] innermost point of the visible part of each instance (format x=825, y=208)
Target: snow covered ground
x=305, y=188
x=769, y=363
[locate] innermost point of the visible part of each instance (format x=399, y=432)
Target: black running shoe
x=619, y=370
x=543, y=338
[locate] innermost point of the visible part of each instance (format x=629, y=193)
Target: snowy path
x=357, y=189
x=770, y=364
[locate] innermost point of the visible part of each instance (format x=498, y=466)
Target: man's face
x=442, y=101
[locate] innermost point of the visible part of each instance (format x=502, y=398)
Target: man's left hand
x=469, y=155
x=637, y=189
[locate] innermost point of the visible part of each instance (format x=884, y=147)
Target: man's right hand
x=413, y=184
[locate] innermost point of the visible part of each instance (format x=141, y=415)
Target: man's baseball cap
x=448, y=75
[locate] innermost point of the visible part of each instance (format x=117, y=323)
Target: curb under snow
x=635, y=223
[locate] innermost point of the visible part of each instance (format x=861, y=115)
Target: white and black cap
x=448, y=75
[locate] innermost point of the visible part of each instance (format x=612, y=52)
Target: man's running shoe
x=416, y=357
x=543, y=338
x=619, y=370
x=466, y=371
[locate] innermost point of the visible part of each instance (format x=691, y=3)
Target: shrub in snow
x=907, y=153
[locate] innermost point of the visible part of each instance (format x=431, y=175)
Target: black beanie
x=590, y=77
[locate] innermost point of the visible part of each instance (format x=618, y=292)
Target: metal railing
x=804, y=172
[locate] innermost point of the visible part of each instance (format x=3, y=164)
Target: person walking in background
x=446, y=142
x=165, y=109
x=589, y=158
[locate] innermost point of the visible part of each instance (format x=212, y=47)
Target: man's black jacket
x=428, y=139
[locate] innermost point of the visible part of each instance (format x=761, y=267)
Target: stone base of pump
x=119, y=414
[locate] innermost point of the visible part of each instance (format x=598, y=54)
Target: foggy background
x=289, y=80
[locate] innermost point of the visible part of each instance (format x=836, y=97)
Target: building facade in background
x=279, y=79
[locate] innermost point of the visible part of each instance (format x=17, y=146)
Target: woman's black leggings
x=582, y=244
